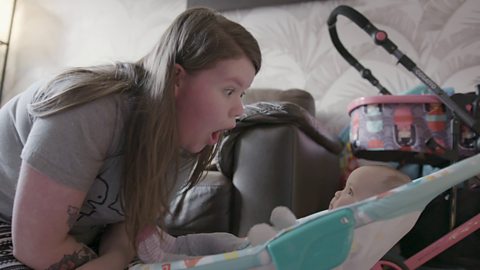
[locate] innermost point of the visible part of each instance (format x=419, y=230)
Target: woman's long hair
x=196, y=40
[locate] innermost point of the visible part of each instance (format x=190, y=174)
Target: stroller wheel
x=391, y=262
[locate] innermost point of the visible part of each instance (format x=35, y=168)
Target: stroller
x=327, y=240
x=436, y=130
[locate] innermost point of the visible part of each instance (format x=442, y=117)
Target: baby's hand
x=260, y=234
x=281, y=218
x=150, y=247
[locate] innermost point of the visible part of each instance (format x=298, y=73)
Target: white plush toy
x=280, y=218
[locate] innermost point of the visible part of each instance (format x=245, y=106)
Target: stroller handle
x=381, y=38
x=363, y=22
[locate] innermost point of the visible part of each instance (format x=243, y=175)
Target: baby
x=362, y=183
x=370, y=242
x=367, y=181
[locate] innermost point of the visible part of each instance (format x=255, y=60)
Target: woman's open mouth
x=214, y=137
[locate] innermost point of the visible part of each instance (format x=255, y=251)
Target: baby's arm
x=153, y=249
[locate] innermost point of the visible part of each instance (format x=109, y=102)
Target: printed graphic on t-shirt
x=102, y=204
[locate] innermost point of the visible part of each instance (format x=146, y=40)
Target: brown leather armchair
x=272, y=164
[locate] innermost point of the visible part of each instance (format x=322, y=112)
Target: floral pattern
x=441, y=36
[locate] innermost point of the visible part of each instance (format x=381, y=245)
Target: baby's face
x=361, y=184
x=343, y=197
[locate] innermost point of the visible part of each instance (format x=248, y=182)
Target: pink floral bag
x=410, y=128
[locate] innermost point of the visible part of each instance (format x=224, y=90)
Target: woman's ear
x=179, y=76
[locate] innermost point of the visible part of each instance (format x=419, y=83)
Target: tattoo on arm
x=74, y=260
x=73, y=213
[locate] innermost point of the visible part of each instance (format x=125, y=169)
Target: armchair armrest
x=280, y=165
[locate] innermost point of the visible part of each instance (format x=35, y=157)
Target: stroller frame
x=460, y=114
x=433, y=249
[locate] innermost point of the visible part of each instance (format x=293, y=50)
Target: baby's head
x=367, y=181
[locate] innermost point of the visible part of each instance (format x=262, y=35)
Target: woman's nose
x=238, y=108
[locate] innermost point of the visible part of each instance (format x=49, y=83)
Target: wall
x=441, y=36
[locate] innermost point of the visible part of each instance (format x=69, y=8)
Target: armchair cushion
x=203, y=208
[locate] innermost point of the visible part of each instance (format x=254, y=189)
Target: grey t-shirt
x=79, y=147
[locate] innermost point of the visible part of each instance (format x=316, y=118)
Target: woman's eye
x=350, y=191
x=242, y=94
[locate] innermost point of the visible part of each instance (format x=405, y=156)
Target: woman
x=93, y=154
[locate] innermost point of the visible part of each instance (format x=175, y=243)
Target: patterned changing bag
x=411, y=128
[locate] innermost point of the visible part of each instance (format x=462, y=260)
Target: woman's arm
x=116, y=252
x=43, y=213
